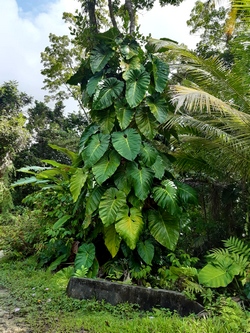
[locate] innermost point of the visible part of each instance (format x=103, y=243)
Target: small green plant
x=227, y=264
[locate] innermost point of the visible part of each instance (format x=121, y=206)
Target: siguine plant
x=121, y=181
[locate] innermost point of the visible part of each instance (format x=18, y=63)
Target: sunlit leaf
x=112, y=240
x=77, y=181
x=107, y=90
x=96, y=148
x=127, y=143
x=106, y=166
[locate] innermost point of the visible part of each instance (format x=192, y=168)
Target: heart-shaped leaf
x=146, y=123
x=111, y=203
x=142, y=179
x=99, y=57
x=164, y=228
x=166, y=196
x=112, y=240
x=158, y=107
x=129, y=225
x=96, y=148
x=106, y=166
x=106, y=92
x=124, y=114
x=77, y=181
x=160, y=73
x=136, y=86
x=146, y=251
x=127, y=143
x=85, y=256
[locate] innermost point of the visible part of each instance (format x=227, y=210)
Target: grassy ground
x=38, y=298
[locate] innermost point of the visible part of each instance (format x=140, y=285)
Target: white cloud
x=25, y=35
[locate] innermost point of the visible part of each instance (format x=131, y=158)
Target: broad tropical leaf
x=164, y=228
x=122, y=180
x=106, y=166
x=142, y=179
x=146, y=123
x=99, y=57
x=166, y=196
x=112, y=240
x=158, y=107
x=216, y=276
x=94, y=199
x=87, y=133
x=129, y=225
x=127, y=143
x=72, y=155
x=148, y=154
x=93, y=83
x=160, y=73
x=25, y=181
x=59, y=223
x=146, y=251
x=111, y=203
x=105, y=119
x=129, y=50
x=107, y=90
x=95, y=149
x=77, y=181
x=85, y=256
x=124, y=114
x=136, y=86
x=186, y=193
x=159, y=167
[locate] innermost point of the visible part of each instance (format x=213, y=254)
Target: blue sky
x=34, y=6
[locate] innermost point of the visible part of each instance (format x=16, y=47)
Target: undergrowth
x=37, y=296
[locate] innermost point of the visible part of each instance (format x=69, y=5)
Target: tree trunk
x=131, y=12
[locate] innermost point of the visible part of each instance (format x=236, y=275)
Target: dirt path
x=9, y=323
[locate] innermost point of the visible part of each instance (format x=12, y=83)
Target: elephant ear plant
x=124, y=181
x=124, y=196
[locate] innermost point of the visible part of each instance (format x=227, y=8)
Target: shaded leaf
x=99, y=57
x=112, y=240
x=142, y=179
x=186, y=193
x=106, y=166
x=166, y=196
x=160, y=73
x=93, y=83
x=146, y=251
x=85, y=256
x=146, y=123
x=87, y=133
x=94, y=199
x=164, y=228
x=95, y=149
x=158, y=107
x=59, y=223
x=124, y=114
x=108, y=90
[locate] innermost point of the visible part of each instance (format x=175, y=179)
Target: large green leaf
x=25, y=181
x=129, y=225
x=77, y=181
x=105, y=119
x=142, y=179
x=94, y=199
x=146, y=251
x=160, y=73
x=124, y=114
x=158, y=107
x=85, y=256
x=127, y=143
x=59, y=223
x=96, y=148
x=122, y=180
x=99, y=57
x=146, y=123
x=164, y=228
x=87, y=133
x=112, y=240
x=148, y=154
x=106, y=166
x=186, y=193
x=166, y=196
x=159, y=167
x=93, y=83
x=132, y=64
x=72, y=155
x=129, y=49
x=111, y=203
x=108, y=90
x=136, y=86
x=216, y=276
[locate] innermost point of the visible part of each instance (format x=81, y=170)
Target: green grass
x=37, y=296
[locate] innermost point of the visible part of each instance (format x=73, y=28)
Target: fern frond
x=237, y=246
